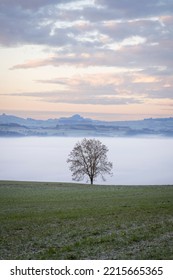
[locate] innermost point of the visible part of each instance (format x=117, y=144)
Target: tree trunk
x=91, y=179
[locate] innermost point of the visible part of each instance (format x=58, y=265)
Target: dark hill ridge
x=77, y=125
x=75, y=119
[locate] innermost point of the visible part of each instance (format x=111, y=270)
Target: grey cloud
x=162, y=93
x=55, y=26
x=138, y=56
x=137, y=9
x=147, y=28
x=32, y=4
x=158, y=71
x=19, y=27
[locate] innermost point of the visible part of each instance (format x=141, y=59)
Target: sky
x=105, y=59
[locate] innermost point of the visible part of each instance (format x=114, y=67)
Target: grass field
x=73, y=221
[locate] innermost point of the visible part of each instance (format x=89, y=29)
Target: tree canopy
x=89, y=159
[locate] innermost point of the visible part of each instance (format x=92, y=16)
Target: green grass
x=73, y=221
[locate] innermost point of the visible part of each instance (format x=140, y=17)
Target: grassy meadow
x=76, y=221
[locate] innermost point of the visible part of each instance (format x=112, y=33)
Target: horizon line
x=81, y=114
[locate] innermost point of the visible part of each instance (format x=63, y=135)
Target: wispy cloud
x=70, y=97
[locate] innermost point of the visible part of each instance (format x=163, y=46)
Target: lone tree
x=89, y=159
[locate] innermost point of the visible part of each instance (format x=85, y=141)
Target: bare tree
x=89, y=159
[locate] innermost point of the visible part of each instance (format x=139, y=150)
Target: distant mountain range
x=76, y=125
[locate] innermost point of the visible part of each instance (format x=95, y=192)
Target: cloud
x=30, y=64
x=103, y=89
x=130, y=54
x=32, y=4
x=92, y=36
x=127, y=87
x=91, y=26
x=71, y=97
x=137, y=9
x=98, y=89
x=129, y=34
